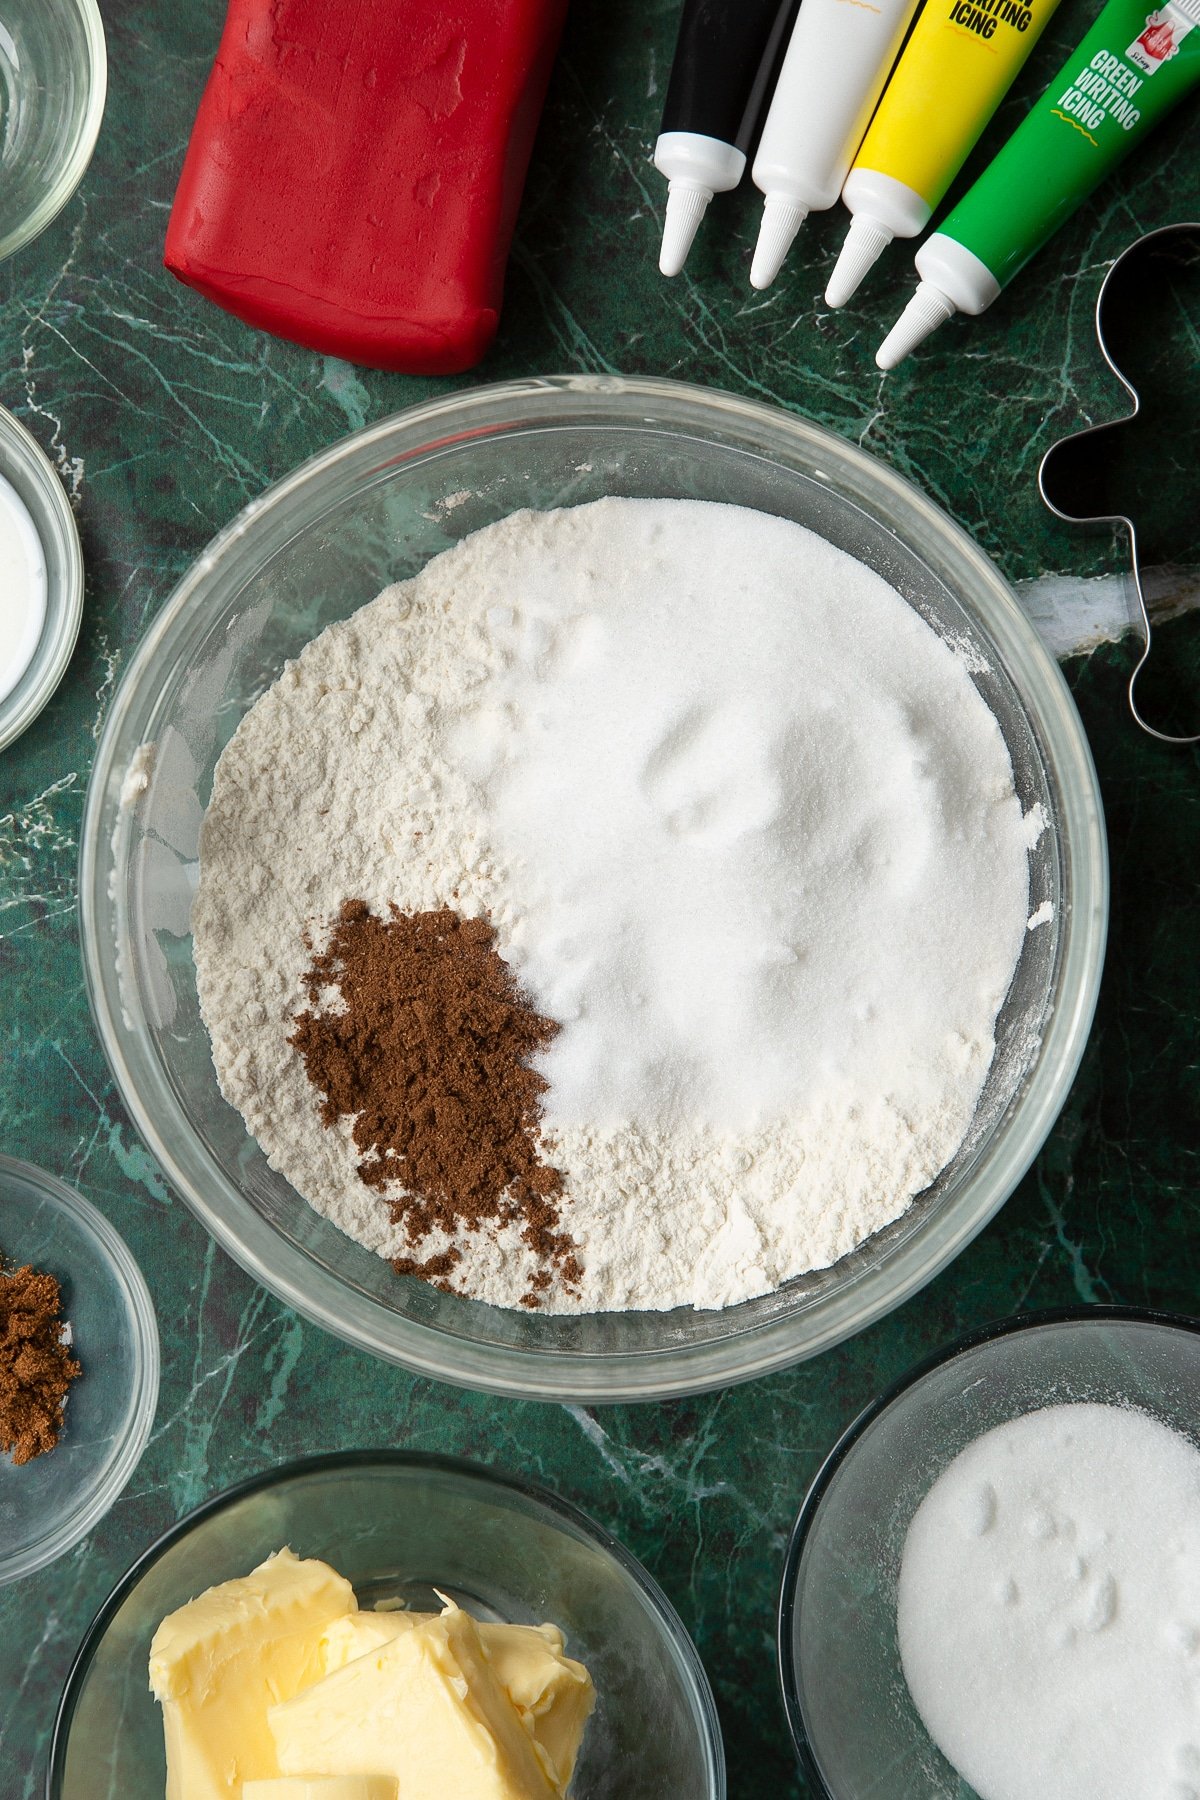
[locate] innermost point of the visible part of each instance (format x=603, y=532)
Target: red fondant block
x=354, y=172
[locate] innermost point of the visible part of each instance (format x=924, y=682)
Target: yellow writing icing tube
x=961, y=60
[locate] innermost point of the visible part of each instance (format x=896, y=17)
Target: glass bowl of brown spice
x=78, y=1367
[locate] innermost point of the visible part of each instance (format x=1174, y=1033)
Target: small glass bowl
x=857, y=1734
x=24, y=466
x=53, y=81
x=372, y=510
x=48, y=1504
x=399, y=1526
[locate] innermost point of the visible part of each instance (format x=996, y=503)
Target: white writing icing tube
x=840, y=55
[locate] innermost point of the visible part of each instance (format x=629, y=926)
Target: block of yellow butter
x=321, y=1787
x=550, y=1690
x=219, y=1662
x=428, y=1708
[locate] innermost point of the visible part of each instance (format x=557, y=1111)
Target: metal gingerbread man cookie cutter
x=1076, y=474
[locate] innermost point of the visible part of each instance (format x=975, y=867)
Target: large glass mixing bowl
x=372, y=510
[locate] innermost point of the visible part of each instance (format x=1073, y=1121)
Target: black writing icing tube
x=725, y=61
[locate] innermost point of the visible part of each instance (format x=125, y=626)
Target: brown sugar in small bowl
x=48, y=1503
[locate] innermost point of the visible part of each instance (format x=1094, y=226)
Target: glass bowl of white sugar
x=41, y=579
x=377, y=509
x=992, y=1591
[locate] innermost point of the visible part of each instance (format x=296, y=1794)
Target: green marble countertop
x=163, y=416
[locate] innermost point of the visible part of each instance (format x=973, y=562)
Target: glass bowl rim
x=112, y=1250
x=87, y=130
x=974, y=1339
x=64, y=604
x=684, y=409
x=434, y=1461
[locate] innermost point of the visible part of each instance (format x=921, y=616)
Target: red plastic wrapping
x=355, y=169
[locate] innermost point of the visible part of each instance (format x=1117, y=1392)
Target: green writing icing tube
x=1133, y=66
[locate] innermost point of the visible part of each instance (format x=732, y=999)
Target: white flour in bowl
x=744, y=827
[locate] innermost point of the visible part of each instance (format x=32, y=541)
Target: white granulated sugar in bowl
x=1048, y=1608
x=744, y=827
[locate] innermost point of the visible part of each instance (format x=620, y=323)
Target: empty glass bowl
x=48, y=1504
x=856, y=1730
x=398, y=1526
x=372, y=510
x=53, y=80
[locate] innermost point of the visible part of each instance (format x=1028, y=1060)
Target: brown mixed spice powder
x=36, y=1367
x=431, y=1055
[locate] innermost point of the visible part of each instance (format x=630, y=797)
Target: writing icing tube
x=726, y=54
x=1133, y=66
x=961, y=60
x=838, y=58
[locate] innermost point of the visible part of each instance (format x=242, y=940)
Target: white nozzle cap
x=781, y=221
x=686, y=206
x=865, y=243
x=927, y=309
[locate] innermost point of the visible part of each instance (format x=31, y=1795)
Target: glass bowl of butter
x=375, y=509
x=358, y=1625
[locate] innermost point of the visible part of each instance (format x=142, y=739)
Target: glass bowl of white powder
x=995, y=1577
x=753, y=786
x=41, y=578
